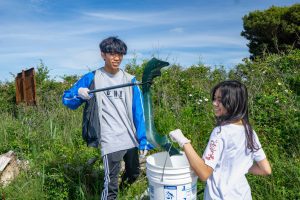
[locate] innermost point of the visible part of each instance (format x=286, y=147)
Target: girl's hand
x=262, y=168
x=177, y=136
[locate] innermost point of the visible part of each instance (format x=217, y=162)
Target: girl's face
x=219, y=109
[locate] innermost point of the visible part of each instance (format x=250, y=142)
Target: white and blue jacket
x=91, y=129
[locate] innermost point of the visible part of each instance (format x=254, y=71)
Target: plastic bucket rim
x=162, y=167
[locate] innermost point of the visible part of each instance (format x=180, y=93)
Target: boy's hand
x=83, y=93
x=178, y=137
x=143, y=153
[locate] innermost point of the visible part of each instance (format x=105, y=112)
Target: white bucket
x=170, y=179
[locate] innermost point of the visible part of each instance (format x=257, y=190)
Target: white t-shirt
x=230, y=158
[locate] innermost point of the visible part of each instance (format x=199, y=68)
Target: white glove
x=143, y=153
x=178, y=137
x=83, y=93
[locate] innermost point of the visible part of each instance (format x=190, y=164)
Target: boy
x=113, y=119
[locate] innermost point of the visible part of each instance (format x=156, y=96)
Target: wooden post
x=33, y=87
x=26, y=87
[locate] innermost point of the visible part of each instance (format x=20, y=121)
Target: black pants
x=112, y=166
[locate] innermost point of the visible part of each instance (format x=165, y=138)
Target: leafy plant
x=49, y=135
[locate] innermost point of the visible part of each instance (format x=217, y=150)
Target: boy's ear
x=103, y=55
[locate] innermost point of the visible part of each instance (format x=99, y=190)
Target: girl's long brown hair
x=234, y=97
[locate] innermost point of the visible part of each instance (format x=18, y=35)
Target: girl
x=233, y=149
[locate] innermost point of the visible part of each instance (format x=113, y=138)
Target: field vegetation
x=49, y=135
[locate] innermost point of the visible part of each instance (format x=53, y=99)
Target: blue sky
x=65, y=34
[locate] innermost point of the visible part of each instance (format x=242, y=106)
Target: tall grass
x=49, y=135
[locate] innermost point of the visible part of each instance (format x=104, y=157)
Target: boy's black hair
x=234, y=97
x=113, y=45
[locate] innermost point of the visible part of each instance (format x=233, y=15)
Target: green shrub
x=49, y=134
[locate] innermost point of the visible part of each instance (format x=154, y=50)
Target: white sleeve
x=213, y=149
x=259, y=154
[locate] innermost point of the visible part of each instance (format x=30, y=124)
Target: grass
x=49, y=135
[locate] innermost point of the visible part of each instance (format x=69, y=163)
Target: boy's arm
x=262, y=168
x=70, y=97
x=139, y=118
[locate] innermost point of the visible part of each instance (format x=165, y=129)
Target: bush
x=49, y=135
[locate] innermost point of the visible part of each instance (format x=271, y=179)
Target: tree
x=42, y=73
x=274, y=30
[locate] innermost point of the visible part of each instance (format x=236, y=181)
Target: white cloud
x=68, y=41
x=177, y=30
x=187, y=40
x=78, y=60
x=112, y=16
x=173, y=16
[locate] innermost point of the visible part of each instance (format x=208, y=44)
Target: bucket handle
x=167, y=154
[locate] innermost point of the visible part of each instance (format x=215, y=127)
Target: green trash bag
x=152, y=70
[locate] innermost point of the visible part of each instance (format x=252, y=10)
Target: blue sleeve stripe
x=141, y=101
x=139, y=118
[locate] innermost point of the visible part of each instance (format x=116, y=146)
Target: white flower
x=286, y=91
x=205, y=99
x=279, y=83
x=200, y=100
x=277, y=101
x=190, y=95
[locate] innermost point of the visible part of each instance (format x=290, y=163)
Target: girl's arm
x=262, y=168
x=202, y=170
x=261, y=165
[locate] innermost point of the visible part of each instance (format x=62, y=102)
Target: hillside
x=49, y=135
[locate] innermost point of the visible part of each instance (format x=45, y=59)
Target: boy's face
x=112, y=61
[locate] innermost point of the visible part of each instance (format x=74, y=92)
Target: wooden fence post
x=26, y=87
